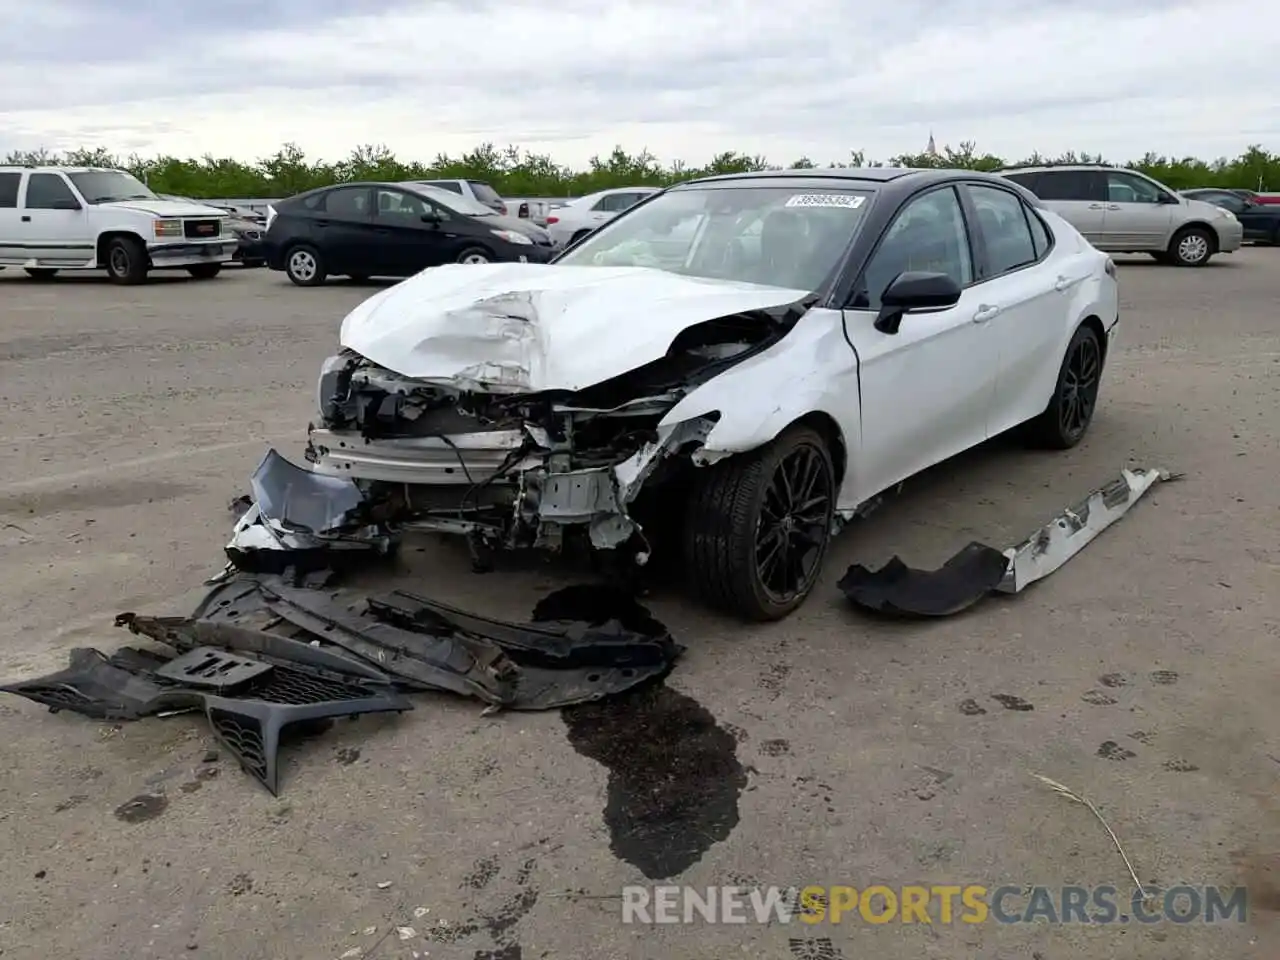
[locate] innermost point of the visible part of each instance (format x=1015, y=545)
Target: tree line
x=517, y=173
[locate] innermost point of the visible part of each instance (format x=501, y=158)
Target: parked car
x=728, y=370
x=573, y=221
x=476, y=190
x=1261, y=221
x=86, y=218
x=363, y=230
x=249, y=251
x=1124, y=211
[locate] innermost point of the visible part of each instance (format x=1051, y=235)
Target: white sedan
x=572, y=221
x=723, y=374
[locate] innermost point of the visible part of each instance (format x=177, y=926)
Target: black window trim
x=966, y=214
x=1097, y=177
x=978, y=242
x=369, y=201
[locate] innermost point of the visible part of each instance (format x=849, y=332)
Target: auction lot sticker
x=825, y=200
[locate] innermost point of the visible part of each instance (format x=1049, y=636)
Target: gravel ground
x=827, y=749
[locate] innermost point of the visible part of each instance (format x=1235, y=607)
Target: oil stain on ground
x=674, y=776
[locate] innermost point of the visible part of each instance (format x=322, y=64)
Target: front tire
x=1066, y=420
x=758, y=525
x=41, y=273
x=127, y=261
x=204, y=271
x=304, y=265
x=1191, y=247
x=475, y=255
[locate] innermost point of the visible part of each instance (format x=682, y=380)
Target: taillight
x=1111, y=268
x=502, y=208
x=553, y=219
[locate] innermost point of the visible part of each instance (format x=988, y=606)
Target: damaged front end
x=514, y=470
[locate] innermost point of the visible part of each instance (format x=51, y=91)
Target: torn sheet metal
x=979, y=570
x=302, y=520
x=1075, y=528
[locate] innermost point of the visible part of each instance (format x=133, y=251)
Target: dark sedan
x=363, y=230
x=1261, y=221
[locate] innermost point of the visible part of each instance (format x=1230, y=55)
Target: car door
x=342, y=226
x=925, y=391
x=9, y=233
x=1079, y=197
x=53, y=225
x=406, y=242
x=1138, y=216
x=1030, y=294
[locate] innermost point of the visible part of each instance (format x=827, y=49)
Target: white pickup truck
x=81, y=218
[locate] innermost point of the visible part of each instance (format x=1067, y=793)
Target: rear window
x=484, y=193
x=451, y=185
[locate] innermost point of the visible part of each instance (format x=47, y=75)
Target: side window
x=1086, y=185
x=1039, y=233
x=1228, y=201
x=1005, y=231
x=349, y=203
x=1028, y=180
x=48, y=191
x=452, y=186
x=1126, y=188
x=608, y=204
x=398, y=207
x=928, y=234
x=9, y=190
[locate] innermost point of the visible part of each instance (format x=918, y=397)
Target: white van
x=84, y=218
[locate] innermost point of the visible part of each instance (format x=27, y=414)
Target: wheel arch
x=1094, y=323
x=105, y=238
x=1214, y=241
x=819, y=421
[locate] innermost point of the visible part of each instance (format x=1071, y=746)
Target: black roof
x=916, y=175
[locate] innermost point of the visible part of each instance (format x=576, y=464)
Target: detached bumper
x=189, y=254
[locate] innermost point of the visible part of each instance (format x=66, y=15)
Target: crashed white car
x=727, y=371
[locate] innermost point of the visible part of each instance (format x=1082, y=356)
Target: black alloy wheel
x=1066, y=419
x=758, y=526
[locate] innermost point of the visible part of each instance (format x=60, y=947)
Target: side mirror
x=1168, y=198
x=915, y=290
x=70, y=204
x=432, y=217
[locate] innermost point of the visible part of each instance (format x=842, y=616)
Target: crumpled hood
x=166, y=208
x=524, y=327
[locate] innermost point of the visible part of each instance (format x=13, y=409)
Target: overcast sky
x=785, y=78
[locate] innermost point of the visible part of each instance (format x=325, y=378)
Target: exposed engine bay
x=517, y=470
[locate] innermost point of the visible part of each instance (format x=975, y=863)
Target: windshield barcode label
x=826, y=200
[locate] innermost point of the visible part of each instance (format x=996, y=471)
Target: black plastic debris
x=115, y=687
x=900, y=590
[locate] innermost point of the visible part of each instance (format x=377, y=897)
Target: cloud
x=574, y=78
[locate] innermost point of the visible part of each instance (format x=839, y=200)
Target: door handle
x=985, y=313
x=1062, y=283
x=1113, y=206
x=1095, y=206
x=26, y=219
x=321, y=223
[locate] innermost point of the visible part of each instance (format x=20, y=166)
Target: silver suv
x=1123, y=211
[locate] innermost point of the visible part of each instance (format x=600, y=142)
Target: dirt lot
x=828, y=749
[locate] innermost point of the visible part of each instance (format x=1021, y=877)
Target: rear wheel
x=1075, y=397
x=757, y=526
x=1191, y=247
x=205, y=271
x=578, y=236
x=304, y=266
x=127, y=261
x=475, y=255
x=41, y=273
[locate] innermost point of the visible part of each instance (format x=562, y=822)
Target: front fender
x=812, y=369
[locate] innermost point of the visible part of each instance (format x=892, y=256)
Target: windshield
x=789, y=236
x=106, y=186
x=484, y=193
x=453, y=202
